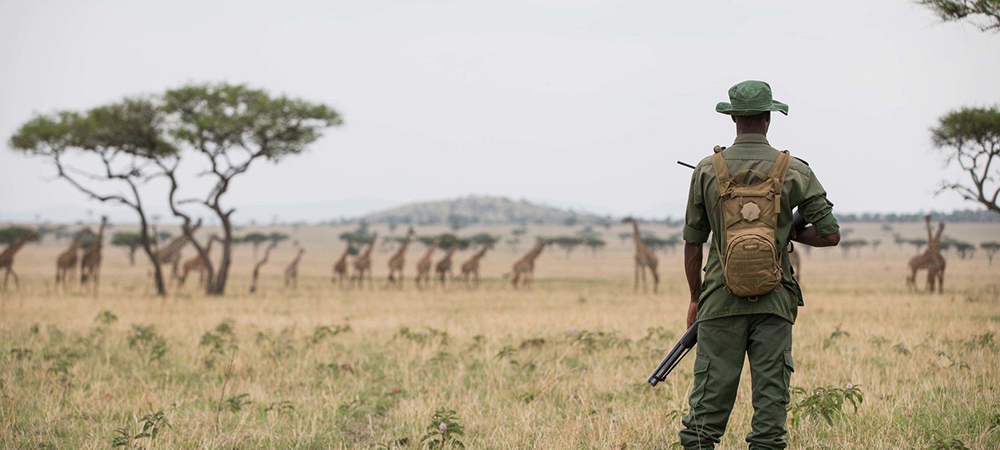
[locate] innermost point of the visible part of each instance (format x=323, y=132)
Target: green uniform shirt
x=801, y=189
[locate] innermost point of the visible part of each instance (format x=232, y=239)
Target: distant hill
x=483, y=210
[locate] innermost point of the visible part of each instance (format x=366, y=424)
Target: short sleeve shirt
x=703, y=219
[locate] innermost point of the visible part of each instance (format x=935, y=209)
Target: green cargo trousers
x=766, y=340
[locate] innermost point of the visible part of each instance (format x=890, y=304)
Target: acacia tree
x=229, y=128
x=568, y=243
x=131, y=241
x=124, y=140
x=445, y=241
x=971, y=139
x=254, y=239
x=12, y=233
x=594, y=243
x=851, y=244
x=984, y=14
x=275, y=237
x=991, y=249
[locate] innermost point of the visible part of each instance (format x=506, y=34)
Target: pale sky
x=571, y=103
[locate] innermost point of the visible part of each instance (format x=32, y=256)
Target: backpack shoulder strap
x=781, y=165
x=778, y=178
x=722, y=174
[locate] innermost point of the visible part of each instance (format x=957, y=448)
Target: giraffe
x=397, y=261
x=935, y=265
x=363, y=265
x=424, y=266
x=443, y=267
x=935, y=272
x=644, y=259
x=470, y=268
x=196, y=263
x=90, y=263
x=340, y=267
x=67, y=260
x=931, y=259
x=7, y=258
x=171, y=253
x=292, y=271
x=525, y=267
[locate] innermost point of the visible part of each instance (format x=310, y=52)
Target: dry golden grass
x=562, y=365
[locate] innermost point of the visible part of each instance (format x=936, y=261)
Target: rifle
x=681, y=348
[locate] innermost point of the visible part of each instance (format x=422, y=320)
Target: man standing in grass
x=744, y=196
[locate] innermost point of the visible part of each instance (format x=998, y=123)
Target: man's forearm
x=692, y=269
x=810, y=237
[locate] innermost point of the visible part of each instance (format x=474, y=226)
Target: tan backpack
x=751, y=262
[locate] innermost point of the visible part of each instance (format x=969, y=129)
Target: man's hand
x=692, y=313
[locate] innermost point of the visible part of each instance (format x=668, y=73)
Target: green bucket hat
x=750, y=97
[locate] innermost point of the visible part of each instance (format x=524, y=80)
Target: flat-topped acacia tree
x=129, y=240
x=225, y=129
x=112, y=152
x=970, y=137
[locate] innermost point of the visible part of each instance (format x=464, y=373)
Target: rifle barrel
x=683, y=346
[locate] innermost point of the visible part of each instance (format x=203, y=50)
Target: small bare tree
x=970, y=137
x=259, y=264
x=991, y=249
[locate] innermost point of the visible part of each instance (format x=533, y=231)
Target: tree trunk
x=222, y=276
x=131, y=255
x=161, y=287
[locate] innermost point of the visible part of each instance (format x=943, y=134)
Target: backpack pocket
x=751, y=264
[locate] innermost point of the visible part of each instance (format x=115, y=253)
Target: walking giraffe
x=470, y=268
x=340, y=267
x=171, y=253
x=7, y=258
x=524, y=268
x=66, y=262
x=292, y=270
x=363, y=266
x=396, y=262
x=196, y=263
x=424, y=266
x=644, y=258
x=90, y=263
x=443, y=267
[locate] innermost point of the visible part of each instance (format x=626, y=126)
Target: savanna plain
x=562, y=364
